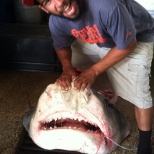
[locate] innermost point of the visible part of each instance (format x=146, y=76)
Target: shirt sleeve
x=60, y=35
x=120, y=27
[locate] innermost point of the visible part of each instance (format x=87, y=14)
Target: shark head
x=82, y=121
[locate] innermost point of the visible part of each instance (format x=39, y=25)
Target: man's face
x=65, y=8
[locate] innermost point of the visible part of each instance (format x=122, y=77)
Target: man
x=121, y=34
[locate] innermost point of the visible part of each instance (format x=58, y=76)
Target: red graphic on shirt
x=89, y=34
x=128, y=34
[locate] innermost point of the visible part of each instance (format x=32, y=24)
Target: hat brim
x=28, y=2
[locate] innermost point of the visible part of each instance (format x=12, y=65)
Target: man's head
x=66, y=8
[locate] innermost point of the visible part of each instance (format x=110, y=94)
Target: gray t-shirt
x=106, y=23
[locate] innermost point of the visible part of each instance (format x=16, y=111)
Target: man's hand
x=68, y=75
x=85, y=79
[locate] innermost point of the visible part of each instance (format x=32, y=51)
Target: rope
x=125, y=148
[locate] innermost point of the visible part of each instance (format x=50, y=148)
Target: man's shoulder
x=104, y=3
x=57, y=20
x=54, y=17
x=104, y=6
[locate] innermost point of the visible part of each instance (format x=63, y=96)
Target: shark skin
x=81, y=121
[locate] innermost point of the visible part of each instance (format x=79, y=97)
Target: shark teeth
x=70, y=123
x=75, y=128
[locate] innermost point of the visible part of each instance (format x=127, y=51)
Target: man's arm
x=65, y=55
x=87, y=77
x=69, y=73
x=113, y=57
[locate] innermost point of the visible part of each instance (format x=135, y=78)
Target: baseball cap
x=29, y=2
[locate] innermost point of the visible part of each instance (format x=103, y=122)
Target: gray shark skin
x=82, y=121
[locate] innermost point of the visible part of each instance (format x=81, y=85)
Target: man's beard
x=76, y=16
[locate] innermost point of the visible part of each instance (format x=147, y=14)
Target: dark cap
x=29, y=2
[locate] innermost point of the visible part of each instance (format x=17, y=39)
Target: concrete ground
x=21, y=90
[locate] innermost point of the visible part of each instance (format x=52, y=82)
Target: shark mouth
x=70, y=124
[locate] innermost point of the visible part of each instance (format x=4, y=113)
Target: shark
x=82, y=121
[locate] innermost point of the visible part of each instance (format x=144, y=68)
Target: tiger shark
x=81, y=121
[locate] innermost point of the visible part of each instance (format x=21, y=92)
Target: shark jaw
x=76, y=121
x=70, y=140
x=69, y=131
